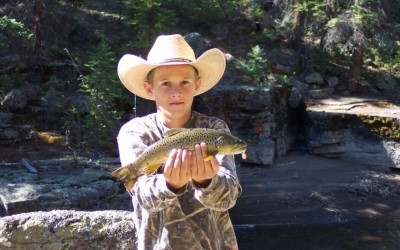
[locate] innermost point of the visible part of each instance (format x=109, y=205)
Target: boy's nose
x=176, y=94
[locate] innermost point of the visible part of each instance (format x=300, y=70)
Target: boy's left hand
x=203, y=171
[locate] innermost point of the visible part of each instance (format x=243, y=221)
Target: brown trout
x=150, y=160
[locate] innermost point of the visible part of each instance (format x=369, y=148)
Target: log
x=26, y=164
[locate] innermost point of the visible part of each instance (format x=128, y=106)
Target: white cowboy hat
x=170, y=50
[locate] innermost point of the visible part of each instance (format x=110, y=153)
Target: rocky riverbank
x=343, y=174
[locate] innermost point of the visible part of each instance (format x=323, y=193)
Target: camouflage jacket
x=194, y=218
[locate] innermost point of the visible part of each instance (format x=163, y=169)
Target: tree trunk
x=298, y=29
x=37, y=9
x=357, y=59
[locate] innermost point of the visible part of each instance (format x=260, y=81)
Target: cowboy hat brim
x=133, y=71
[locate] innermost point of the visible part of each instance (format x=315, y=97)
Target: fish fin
x=150, y=168
x=208, y=157
x=173, y=132
x=127, y=176
x=209, y=154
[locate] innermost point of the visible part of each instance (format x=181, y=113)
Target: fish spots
x=218, y=142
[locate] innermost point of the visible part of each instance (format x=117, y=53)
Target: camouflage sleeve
x=132, y=141
x=221, y=194
x=153, y=194
x=223, y=190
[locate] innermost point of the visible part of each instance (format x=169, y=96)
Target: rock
x=12, y=134
x=62, y=184
x=221, y=31
x=3, y=206
x=314, y=78
x=198, y=43
x=261, y=153
x=284, y=61
x=31, y=92
x=386, y=82
x=295, y=97
x=257, y=115
x=62, y=229
x=320, y=93
x=393, y=151
x=336, y=134
x=301, y=86
x=8, y=134
x=15, y=100
x=224, y=29
x=5, y=119
x=333, y=81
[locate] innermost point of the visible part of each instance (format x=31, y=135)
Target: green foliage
x=315, y=7
x=333, y=22
x=203, y=13
x=254, y=66
x=149, y=19
x=385, y=59
x=273, y=33
x=11, y=81
x=256, y=12
x=364, y=16
x=11, y=31
x=99, y=117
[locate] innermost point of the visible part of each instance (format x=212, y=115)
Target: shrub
x=254, y=67
x=98, y=121
x=12, y=32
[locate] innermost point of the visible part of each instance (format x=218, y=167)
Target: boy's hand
x=177, y=169
x=203, y=171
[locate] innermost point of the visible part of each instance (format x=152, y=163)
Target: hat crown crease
x=167, y=48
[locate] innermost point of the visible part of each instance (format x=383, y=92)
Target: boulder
x=260, y=153
x=15, y=100
x=295, y=97
x=63, y=229
x=358, y=129
x=314, y=78
x=68, y=184
x=257, y=115
x=284, y=61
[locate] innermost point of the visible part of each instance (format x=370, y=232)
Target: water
x=364, y=235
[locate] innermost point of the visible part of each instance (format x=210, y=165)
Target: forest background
x=71, y=48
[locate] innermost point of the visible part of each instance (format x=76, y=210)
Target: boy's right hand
x=177, y=169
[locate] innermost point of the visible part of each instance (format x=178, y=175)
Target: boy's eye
x=165, y=84
x=185, y=82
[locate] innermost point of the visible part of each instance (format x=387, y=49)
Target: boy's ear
x=148, y=88
x=198, y=83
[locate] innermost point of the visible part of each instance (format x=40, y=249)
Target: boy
x=184, y=205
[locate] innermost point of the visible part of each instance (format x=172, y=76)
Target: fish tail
x=128, y=177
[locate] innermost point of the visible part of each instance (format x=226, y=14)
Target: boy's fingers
x=184, y=163
x=177, y=163
x=199, y=159
x=169, y=162
x=203, y=147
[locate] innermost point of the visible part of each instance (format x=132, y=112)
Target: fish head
x=229, y=145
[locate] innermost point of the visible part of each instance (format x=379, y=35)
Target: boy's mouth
x=176, y=103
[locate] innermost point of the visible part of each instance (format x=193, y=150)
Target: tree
x=37, y=32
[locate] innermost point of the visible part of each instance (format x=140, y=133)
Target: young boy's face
x=173, y=88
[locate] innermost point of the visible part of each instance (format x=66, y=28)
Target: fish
x=218, y=142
